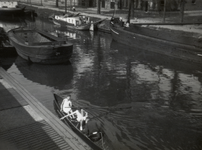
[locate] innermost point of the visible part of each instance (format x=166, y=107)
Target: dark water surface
x=143, y=100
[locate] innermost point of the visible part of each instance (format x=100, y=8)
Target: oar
x=65, y=116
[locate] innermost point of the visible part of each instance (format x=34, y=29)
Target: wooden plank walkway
x=27, y=124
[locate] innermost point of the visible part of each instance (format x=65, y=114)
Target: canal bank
x=141, y=18
x=27, y=124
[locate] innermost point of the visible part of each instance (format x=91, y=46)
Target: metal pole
x=164, y=12
x=41, y=3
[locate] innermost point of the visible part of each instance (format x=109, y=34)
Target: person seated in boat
x=121, y=23
x=84, y=19
x=73, y=9
x=88, y=20
x=112, y=20
x=80, y=117
x=92, y=129
x=66, y=106
x=127, y=24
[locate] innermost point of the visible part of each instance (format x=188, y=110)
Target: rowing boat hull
x=53, y=52
x=167, y=47
x=94, y=145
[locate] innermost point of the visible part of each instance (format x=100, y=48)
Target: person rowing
x=66, y=106
x=80, y=117
x=92, y=129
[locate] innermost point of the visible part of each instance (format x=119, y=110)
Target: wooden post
x=164, y=12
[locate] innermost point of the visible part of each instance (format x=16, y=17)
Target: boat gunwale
x=56, y=42
x=122, y=29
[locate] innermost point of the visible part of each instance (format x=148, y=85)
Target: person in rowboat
x=66, y=106
x=80, y=117
x=92, y=129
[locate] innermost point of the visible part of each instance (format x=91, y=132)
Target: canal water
x=143, y=100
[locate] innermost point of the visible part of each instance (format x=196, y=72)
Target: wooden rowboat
x=97, y=145
x=40, y=47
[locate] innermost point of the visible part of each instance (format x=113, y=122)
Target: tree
x=131, y=10
x=56, y=3
x=98, y=6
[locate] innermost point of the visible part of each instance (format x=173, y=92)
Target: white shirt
x=66, y=106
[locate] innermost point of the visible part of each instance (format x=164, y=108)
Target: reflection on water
x=7, y=62
x=144, y=101
x=49, y=75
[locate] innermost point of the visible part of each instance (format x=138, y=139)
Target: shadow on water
x=49, y=75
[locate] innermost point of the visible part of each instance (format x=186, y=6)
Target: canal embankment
x=27, y=124
x=192, y=21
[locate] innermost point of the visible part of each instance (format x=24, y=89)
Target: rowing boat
x=97, y=145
